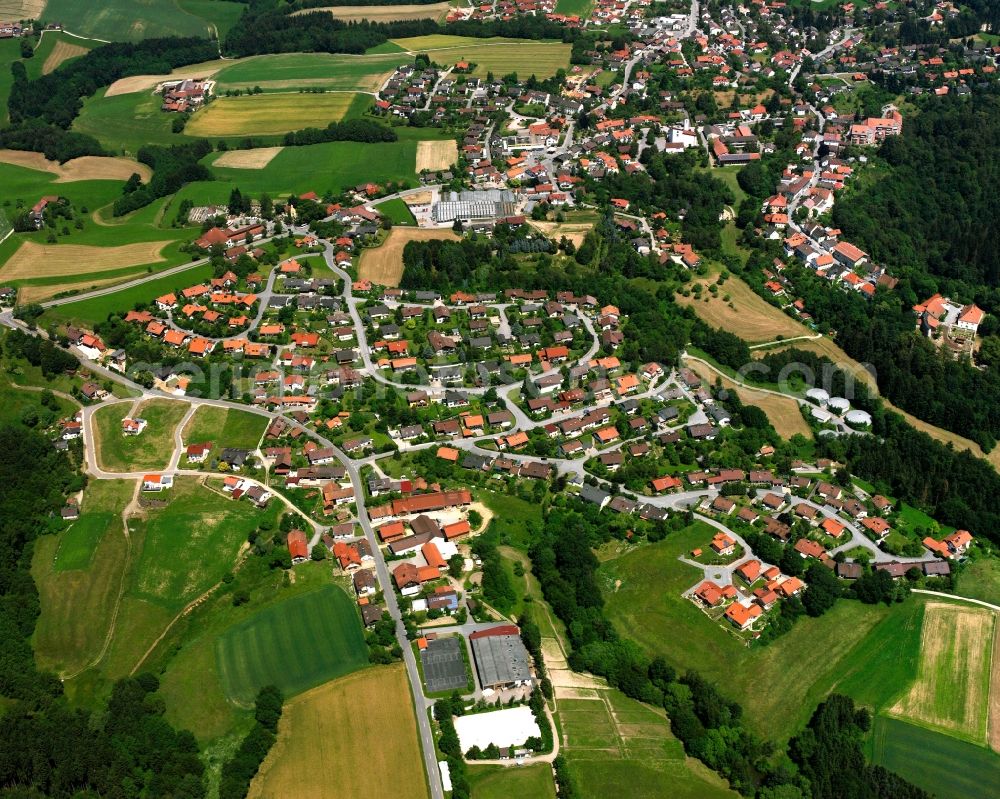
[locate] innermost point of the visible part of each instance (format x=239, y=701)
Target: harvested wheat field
x=32, y=260
x=326, y=746
x=63, y=51
x=952, y=689
x=87, y=167
x=263, y=114
x=782, y=412
x=743, y=313
x=434, y=155
x=384, y=265
x=258, y=158
x=21, y=9
x=139, y=83
x=436, y=11
x=40, y=293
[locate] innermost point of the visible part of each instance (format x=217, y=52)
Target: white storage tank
x=858, y=418
x=838, y=405
x=818, y=395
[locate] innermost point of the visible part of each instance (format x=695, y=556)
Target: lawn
x=295, y=645
x=131, y=20
x=512, y=516
x=311, y=70
x=351, y=737
x=97, y=309
x=611, y=741
x=779, y=684
x=148, y=451
x=77, y=603
x=944, y=766
x=500, y=782
x=952, y=689
x=18, y=402
x=396, y=210
x=269, y=114
x=224, y=427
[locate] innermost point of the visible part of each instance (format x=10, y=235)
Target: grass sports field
x=384, y=265
x=374, y=13
x=321, y=628
x=743, y=313
x=500, y=782
x=611, y=741
x=265, y=114
x=434, y=155
x=868, y=652
x=296, y=70
x=143, y=19
x=782, y=412
x=944, y=766
x=542, y=59
x=324, y=741
x=952, y=688
x=224, y=427
x=151, y=450
x=78, y=574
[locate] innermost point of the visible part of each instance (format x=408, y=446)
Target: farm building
x=501, y=659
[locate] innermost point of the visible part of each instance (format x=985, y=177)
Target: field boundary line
x=980, y=602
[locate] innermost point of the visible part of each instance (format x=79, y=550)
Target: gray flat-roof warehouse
x=501, y=659
x=474, y=205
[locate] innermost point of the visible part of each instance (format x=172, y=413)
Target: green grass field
x=945, y=766
x=271, y=114
x=35, y=66
x=295, y=70
x=580, y=8
x=397, y=211
x=500, y=782
x=10, y=51
x=77, y=600
x=151, y=449
x=77, y=544
x=131, y=20
x=126, y=122
x=980, y=579
x=779, y=684
x=314, y=167
x=295, y=645
x=97, y=309
x=613, y=741
x=191, y=543
x=224, y=428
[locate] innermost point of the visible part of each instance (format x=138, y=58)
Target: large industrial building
x=474, y=206
x=501, y=659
